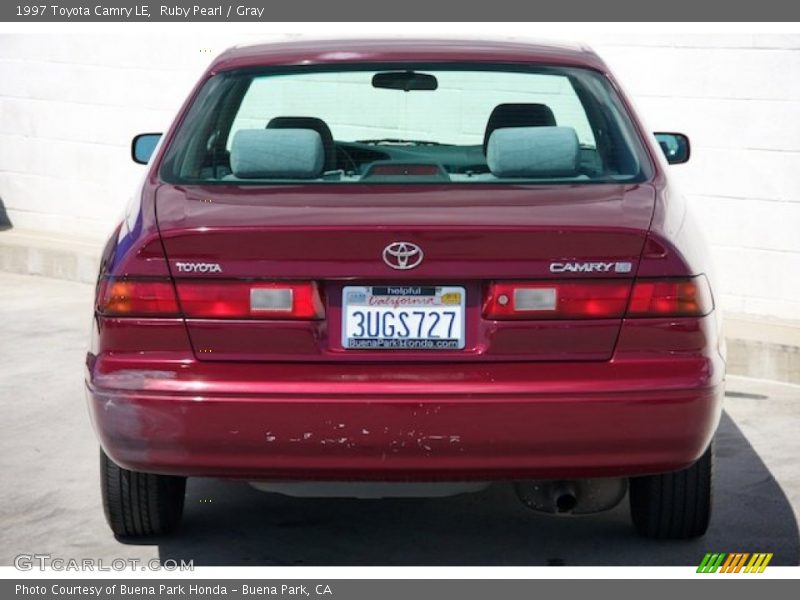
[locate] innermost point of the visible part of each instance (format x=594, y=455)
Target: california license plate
x=403, y=317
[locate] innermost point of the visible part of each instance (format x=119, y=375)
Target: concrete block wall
x=70, y=103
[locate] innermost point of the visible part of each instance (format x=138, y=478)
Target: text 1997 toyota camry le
x=408, y=267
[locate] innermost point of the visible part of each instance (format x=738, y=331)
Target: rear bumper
x=414, y=422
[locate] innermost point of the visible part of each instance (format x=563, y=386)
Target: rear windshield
x=403, y=123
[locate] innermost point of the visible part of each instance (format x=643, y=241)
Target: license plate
x=403, y=317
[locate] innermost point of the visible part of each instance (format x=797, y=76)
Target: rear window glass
x=406, y=124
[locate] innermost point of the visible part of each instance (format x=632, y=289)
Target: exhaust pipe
x=564, y=497
x=578, y=497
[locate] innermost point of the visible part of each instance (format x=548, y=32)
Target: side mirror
x=675, y=147
x=142, y=147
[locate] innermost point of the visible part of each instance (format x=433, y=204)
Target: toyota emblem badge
x=402, y=255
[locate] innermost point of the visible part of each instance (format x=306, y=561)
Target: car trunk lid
x=470, y=235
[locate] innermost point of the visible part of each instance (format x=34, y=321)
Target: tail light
x=137, y=298
x=214, y=300
x=250, y=300
x=598, y=299
x=689, y=297
x=556, y=300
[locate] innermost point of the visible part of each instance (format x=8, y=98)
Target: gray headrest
x=518, y=115
x=533, y=152
x=277, y=154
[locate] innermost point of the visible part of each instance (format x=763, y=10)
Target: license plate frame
x=380, y=300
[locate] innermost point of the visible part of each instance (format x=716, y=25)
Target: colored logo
x=736, y=562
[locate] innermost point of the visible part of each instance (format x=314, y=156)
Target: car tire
x=140, y=505
x=674, y=505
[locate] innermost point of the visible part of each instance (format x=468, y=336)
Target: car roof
x=343, y=51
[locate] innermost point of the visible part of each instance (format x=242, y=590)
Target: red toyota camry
x=395, y=267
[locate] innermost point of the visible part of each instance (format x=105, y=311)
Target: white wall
x=69, y=105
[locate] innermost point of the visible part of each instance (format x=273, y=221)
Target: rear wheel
x=674, y=505
x=140, y=504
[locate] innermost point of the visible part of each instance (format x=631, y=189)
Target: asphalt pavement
x=50, y=499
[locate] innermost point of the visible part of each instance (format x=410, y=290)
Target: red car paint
x=525, y=399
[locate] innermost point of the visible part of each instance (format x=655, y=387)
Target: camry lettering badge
x=402, y=255
x=198, y=267
x=590, y=267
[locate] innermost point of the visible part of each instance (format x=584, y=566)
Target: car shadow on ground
x=229, y=523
